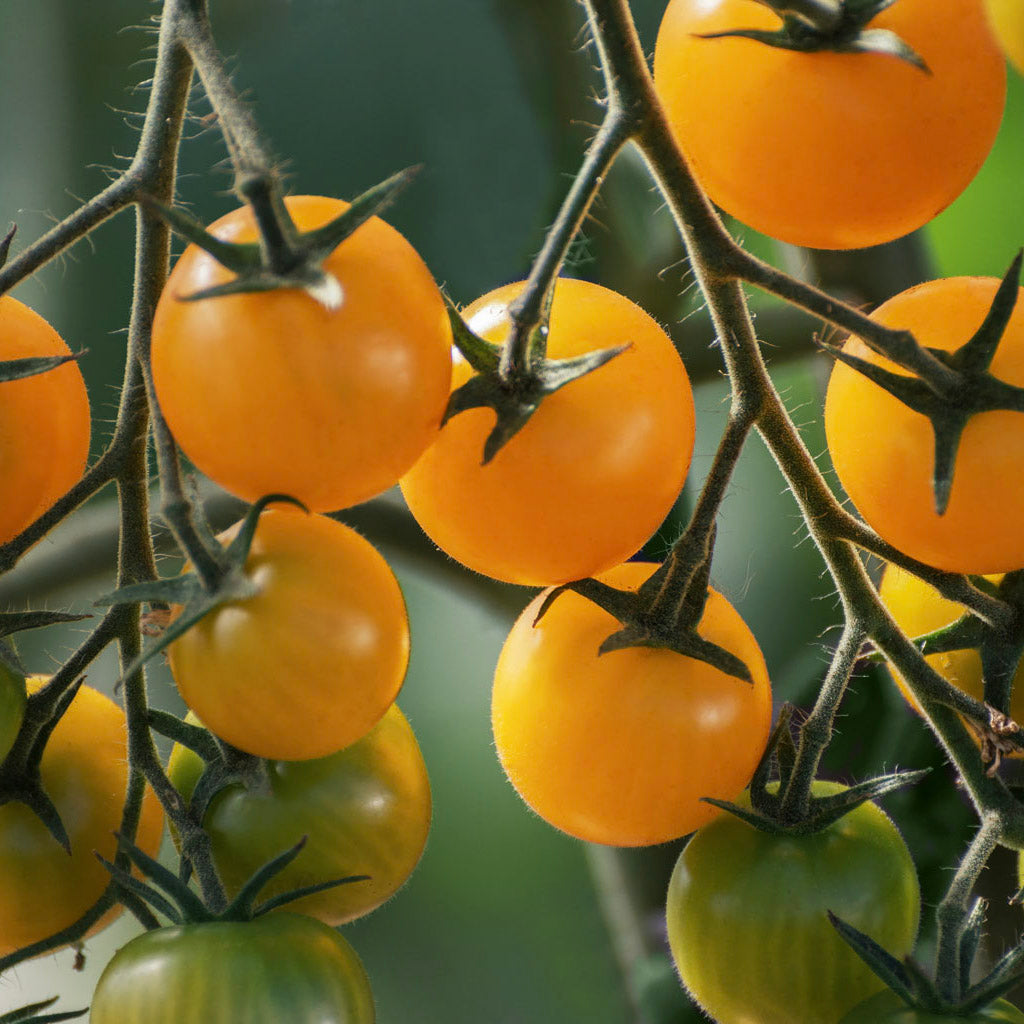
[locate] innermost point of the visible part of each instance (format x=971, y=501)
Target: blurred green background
x=496, y=99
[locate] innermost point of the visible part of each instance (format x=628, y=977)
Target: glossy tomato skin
x=883, y=452
x=1007, y=20
x=619, y=748
x=591, y=476
x=364, y=810
x=44, y=421
x=744, y=904
x=84, y=771
x=270, y=392
x=283, y=968
x=831, y=150
x=888, y=1008
x=311, y=662
x=919, y=609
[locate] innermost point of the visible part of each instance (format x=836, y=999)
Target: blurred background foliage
x=497, y=100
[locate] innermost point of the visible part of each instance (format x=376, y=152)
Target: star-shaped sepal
x=514, y=392
x=196, y=597
x=837, y=26
x=284, y=257
x=974, y=390
x=664, y=613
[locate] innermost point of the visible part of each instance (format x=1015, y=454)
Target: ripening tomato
x=284, y=968
x=919, y=609
x=620, y=748
x=751, y=905
x=888, y=1008
x=592, y=474
x=364, y=810
x=312, y=661
x=1007, y=20
x=44, y=421
x=272, y=393
x=831, y=150
x=883, y=452
x=84, y=772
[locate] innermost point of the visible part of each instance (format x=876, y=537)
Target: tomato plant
x=919, y=609
x=883, y=451
x=364, y=810
x=271, y=392
x=826, y=149
x=620, y=748
x=592, y=474
x=284, y=968
x=1007, y=20
x=44, y=421
x=84, y=772
x=738, y=893
x=314, y=658
x=888, y=1008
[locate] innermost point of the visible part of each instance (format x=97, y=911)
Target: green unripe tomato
x=364, y=810
x=747, y=918
x=282, y=968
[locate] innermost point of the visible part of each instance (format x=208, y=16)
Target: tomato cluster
x=631, y=704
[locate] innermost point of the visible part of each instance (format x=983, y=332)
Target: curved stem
x=249, y=156
x=816, y=731
x=954, y=908
x=526, y=311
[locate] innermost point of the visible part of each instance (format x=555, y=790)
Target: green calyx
x=839, y=26
x=33, y=719
x=949, y=406
x=284, y=257
x=663, y=613
x=514, y=388
x=774, y=775
x=197, y=596
x=171, y=896
x=224, y=765
x=33, y=1014
x=914, y=987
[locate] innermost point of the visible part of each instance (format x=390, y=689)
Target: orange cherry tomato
x=270, y=392
x=592, y=474
x=831, y=150
x=884, y=452
x=312, y=661
x=84, y=772
x=620, y=748
x=44, y=421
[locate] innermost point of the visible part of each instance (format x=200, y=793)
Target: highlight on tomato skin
x=883, y=452
x=312, y=661
x=45, y=422
x=84, y=771
x=620, y=748
x=364, y=810
x=271, y=393
x=593, y=473
x=831, y=150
